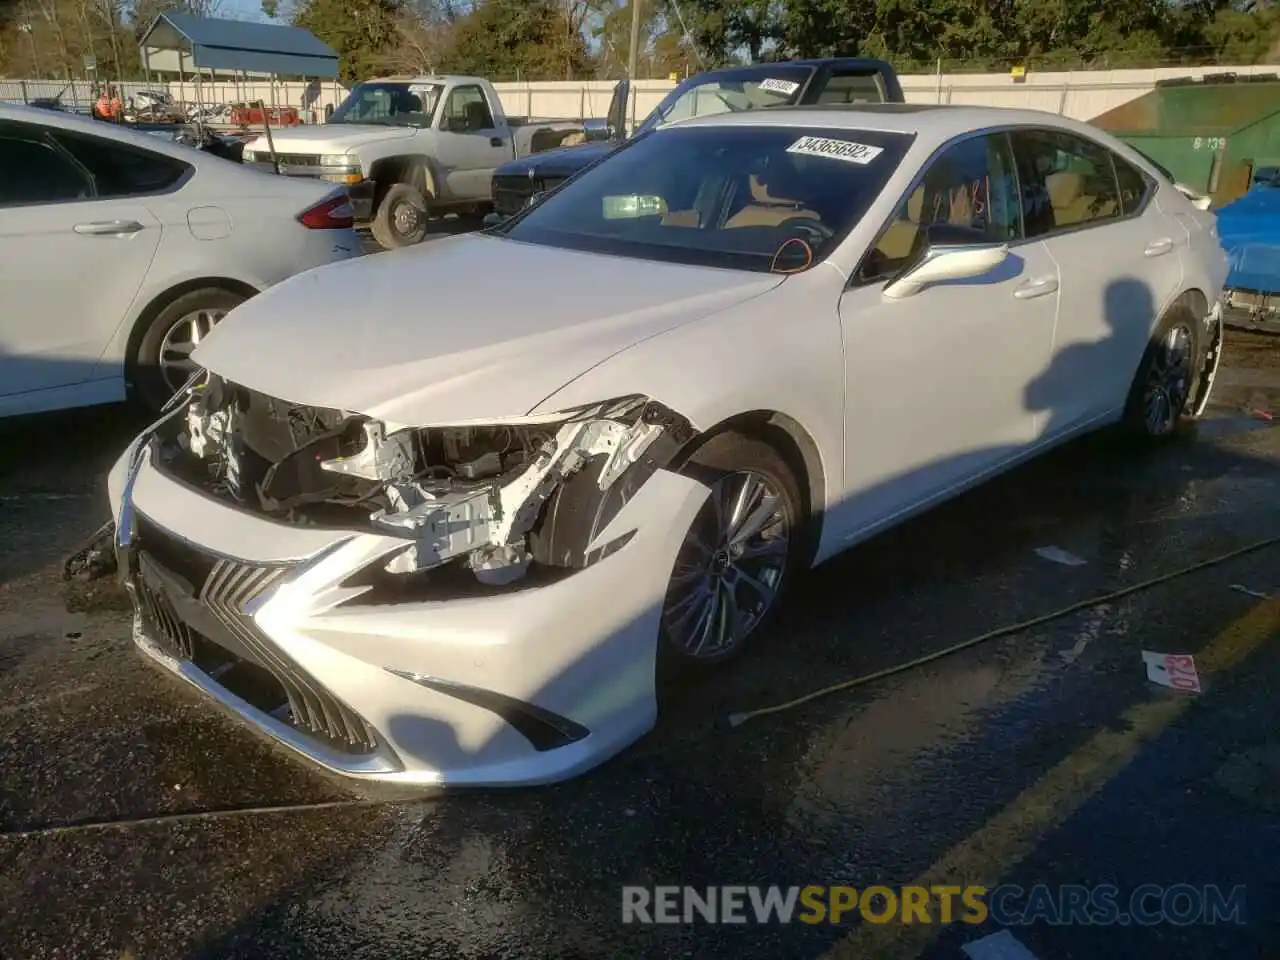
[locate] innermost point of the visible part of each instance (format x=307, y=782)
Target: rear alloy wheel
x=163, y=361
x=737, y=556
x=401, y=217
x=1166, y=377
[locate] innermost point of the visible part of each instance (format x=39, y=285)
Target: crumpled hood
x=468, y=329
x=560, y=162
x=328, y=137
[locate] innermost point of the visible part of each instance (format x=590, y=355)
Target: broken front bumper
x=511, y=687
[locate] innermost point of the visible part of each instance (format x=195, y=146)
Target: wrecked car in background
x=461, y=539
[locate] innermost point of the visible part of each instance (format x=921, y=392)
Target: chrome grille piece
x=199, y=609
x=229, y=593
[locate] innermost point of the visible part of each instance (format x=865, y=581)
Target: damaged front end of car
x=496, y=500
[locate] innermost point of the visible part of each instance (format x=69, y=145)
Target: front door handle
x=1036, y=287
x=1158, y=248
x=495, y=141
x=108, y=228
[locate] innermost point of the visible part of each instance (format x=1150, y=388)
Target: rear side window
x=32, y=171
x=855, y=86
x=123, y=171
x=1134, y=187
x=1067, y=181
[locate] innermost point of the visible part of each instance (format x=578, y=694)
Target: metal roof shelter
x=180, y=43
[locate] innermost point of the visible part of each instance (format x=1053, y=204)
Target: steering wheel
x=813, y=232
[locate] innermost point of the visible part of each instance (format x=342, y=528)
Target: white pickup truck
x=411, y=148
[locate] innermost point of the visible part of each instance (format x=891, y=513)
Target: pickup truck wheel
x=401, y=217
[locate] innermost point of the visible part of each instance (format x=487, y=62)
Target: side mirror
x=445, y=126
x=949, y=253
x=617, y=118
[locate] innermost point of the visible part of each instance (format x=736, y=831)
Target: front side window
x=775, y=86
x=1067, y=181
x=123, y=171
x=754, y=198
x=467, y=109
x=389, y=104
x=971, y=184
x=32, y=171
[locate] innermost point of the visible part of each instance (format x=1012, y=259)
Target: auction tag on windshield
x=779, y=86
x=846, y=150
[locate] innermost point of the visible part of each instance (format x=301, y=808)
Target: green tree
x=363, y=32
x=518, y=39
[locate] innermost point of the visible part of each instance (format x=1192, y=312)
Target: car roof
x=812, y=62
x=77, y=123
x=934, y=121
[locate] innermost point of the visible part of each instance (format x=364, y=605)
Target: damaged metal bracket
x=381, y=458
x=491, y=522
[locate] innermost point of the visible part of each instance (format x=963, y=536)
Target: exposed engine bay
x=496, y=498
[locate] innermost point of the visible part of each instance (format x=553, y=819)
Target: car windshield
x=766, y=198
x=390, y=104
x=777, y=86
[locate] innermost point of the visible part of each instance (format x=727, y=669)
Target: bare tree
x=49, y=10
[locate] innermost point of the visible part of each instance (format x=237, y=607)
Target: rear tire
x=400, y=219
x=738, y=557
x=1168, y=376
x=160, y=366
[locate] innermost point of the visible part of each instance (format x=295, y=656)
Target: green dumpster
x=1209, y=133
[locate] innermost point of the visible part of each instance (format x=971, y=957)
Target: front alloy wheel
x=730, y=569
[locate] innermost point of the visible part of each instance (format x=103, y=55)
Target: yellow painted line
x=1008, y=837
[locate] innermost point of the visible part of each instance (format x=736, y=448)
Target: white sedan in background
x=503, y=483
x=119, y=251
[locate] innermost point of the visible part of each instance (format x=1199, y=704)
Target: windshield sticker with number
x=775, y=85
x=846, y=150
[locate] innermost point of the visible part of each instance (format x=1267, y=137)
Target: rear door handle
x=495, y=141
x=108, y=228
x=1036, y=287
x=1158, y=248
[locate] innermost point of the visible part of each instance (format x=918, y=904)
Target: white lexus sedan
x=119, y=251
x=447, y=515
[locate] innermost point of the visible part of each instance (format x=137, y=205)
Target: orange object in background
x=253, y=116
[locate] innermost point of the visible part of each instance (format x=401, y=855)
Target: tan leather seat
x=897, y=241
x=1070, y=204
x=768, y=211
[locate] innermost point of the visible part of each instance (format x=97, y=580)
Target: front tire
x=1167, y=377
x=738, y=556
x=162, y=363
x=401, y=217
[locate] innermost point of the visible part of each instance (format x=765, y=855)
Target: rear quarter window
x=123, y=171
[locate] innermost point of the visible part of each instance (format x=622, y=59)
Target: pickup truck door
x=471, y=145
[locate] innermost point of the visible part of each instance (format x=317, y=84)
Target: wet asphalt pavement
x=878, y=785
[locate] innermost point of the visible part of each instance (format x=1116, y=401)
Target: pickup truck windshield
x=751, y=198
x=774, y=85
x=390, y=104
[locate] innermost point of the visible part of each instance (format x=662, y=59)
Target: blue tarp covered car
x=1249, y=228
